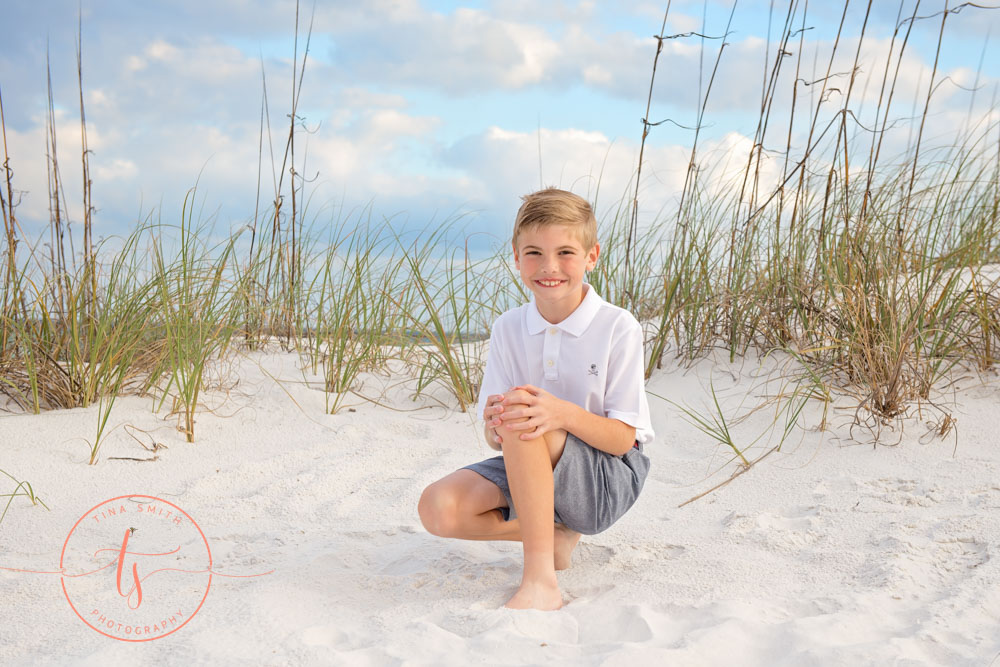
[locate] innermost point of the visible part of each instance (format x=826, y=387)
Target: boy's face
x=552, y=262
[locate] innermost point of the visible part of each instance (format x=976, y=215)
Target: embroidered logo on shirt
x=593, y=370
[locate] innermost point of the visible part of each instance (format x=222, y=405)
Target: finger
x=522, y=426
x=520, y=411
x=517, y=397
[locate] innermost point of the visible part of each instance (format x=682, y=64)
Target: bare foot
x=563, y=545
x=537, y=595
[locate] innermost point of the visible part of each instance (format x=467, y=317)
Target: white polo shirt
x=593, y=358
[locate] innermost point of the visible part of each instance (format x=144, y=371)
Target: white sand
x=825, y=553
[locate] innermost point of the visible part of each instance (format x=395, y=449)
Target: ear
x=517, y=259
x=592, y=256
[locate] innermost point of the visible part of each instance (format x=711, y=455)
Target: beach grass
x=876, y=274
x=22, y=489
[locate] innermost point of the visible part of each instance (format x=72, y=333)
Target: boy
x=563, y=397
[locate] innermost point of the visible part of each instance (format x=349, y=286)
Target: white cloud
x=98, y=98
x=135, y=63
x=381, y=152
x=505, y=164
x=551, y=11
x=597, y=74
x=161, y=50
x=27, y=150
x=385, y=125
x=358, y=97
x=537, y=51
x=116, y=172
x=467, y=50
x=183, y=93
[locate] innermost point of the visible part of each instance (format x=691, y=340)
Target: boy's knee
x=504, y=430
x=507, y=433
x=556, y=442
x=556, y=439
x=438, y=511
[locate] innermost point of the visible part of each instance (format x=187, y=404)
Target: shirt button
x=553, y=331
x=549, y=362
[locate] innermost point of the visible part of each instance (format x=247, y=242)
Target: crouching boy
x=563, y=398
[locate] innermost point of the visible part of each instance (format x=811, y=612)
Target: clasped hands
x=544, y=412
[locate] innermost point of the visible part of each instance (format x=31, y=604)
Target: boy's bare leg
x=564, y=539
x=529, y=474
x=463, y=504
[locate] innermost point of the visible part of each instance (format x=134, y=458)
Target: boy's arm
x=495, y=376
x=604, y=433
x=489, y=430
x=545, y=413
x=491, y=437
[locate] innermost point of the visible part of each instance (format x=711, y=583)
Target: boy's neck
x=554, y=313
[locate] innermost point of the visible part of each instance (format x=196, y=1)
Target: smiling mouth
x=549, y=283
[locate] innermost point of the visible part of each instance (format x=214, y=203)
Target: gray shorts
x=593, y=489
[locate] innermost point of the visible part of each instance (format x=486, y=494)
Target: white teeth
x=550, y=283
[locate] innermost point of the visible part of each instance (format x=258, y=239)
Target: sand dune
x=827, y=552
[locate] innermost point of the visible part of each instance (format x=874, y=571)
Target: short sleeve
x=626, y=387
x=496, y=377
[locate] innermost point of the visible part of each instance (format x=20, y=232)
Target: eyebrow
x=562, y=247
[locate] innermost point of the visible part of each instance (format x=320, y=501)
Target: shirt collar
x=578, y=320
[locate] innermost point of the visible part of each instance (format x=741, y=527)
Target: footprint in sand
x=585, y=593
x=598, y=623
x=630, y=557
x=591, y=553
x=923, y=562
x=903, y=492
x=788, y=531
x=983, y=498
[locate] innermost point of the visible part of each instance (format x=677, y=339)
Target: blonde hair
x=552, y=206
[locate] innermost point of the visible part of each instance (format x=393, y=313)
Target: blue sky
x=431, y=108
